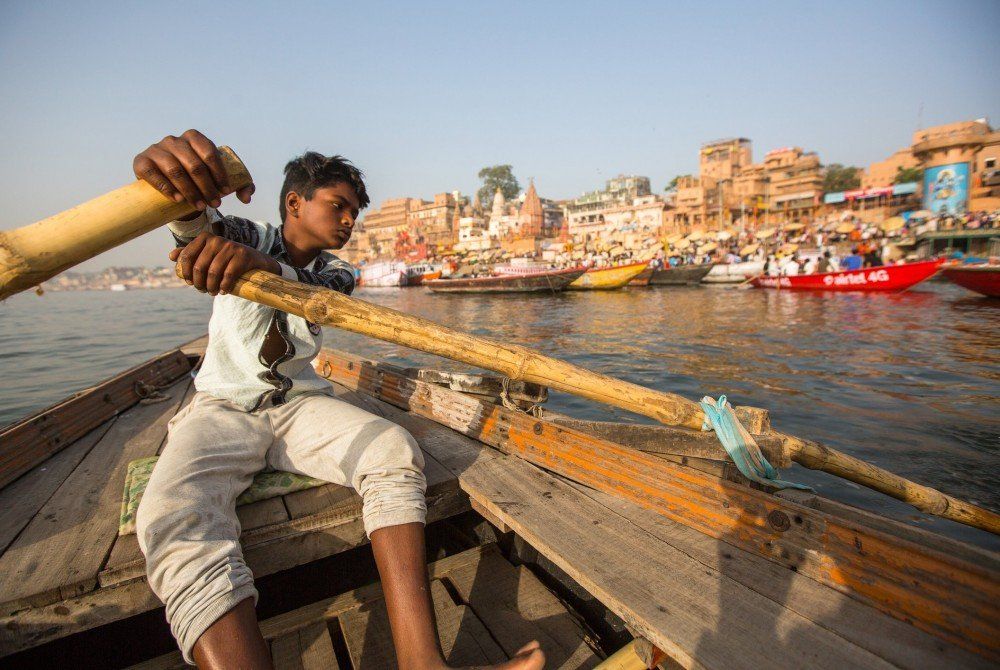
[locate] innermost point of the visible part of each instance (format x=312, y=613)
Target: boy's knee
x=403, y=447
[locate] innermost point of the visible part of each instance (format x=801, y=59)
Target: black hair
x=313, y=170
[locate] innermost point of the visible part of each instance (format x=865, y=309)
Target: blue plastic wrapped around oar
x=740, y=445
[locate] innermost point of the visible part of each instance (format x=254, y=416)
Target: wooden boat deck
x=486, y=608
x=65, y=569
x=707, y=602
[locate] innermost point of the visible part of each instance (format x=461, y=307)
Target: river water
x=910, y=381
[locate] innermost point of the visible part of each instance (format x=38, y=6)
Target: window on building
x=990, y=163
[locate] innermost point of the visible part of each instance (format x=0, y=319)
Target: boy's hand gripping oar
x=330, y=308
x=40, y=251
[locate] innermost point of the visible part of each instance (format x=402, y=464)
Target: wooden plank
x=261, y=513
x=956, y=600
x=39, y=625
x=368, y=637
x=331, y=608
x=285, y=652
x=59, y=554
x=669, y=439
x=480, y=384
x=895, y=641
x=322, y=498
x=309, y=648
x=324, y=610
x=517, y=608
x=29, y=442
x=664, y=594
x=489, y=516
x=125, y=551
x=464, y=639
x=21, y=500
x=195, y=347
x=317, y=647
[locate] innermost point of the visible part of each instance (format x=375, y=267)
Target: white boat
x=386, y=274
x=734, y=273
x=118, y=287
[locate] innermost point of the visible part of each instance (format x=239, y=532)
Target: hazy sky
x=422, y=94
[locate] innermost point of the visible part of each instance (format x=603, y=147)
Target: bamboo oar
x=40, y=251
x=330, y=308
x=37, y=252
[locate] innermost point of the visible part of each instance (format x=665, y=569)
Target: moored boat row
x=983, y=278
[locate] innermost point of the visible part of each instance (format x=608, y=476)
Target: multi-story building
x=794, y=185
x=883, y=173
x=960, y=163
x=586, y=214
x=431, y=222
x=382, y=226
x=473, y=235
x=731, y=189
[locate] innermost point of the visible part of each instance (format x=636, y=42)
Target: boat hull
x=884, y=278
x=391, y=280
x=682, y=275
x=733, y=273
x=384, y=274
x=420, y=279
x=543, y=282
x=983, y=279
x=607, y=279
x=642, y=279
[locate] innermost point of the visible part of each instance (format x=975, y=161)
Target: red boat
x=983, y=278
x=883, y=278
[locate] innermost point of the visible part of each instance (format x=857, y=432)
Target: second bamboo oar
x=330, y=308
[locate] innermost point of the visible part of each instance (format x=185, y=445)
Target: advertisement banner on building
x=946, y=188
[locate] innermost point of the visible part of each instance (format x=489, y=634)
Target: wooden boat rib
x=607, y=279
x=681, y=275
x=538, y=282
x=884, y=278
x=665, y=535
x=983, y=279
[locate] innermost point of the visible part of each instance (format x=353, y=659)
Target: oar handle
x=330, y=308
x=41, y=250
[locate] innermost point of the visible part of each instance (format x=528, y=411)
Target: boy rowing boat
x=260, y=404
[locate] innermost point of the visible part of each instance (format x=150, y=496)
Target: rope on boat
x=740, y=445
x=535, y=410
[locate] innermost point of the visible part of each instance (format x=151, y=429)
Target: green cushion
x=267, y=484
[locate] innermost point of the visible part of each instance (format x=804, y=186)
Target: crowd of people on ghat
x=843, y=245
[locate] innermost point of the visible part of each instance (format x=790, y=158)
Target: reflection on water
x=909, y=381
